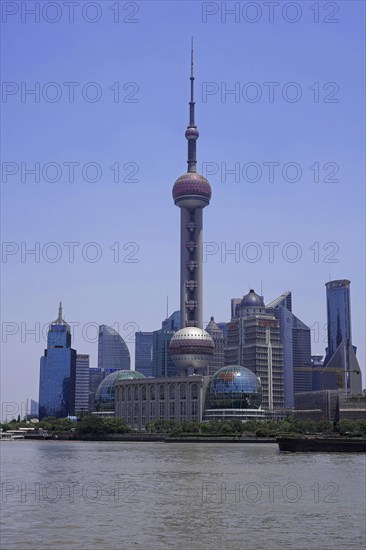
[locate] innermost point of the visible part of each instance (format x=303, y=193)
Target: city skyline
x=229, y=128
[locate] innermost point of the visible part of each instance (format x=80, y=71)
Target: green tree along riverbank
x=95, y=425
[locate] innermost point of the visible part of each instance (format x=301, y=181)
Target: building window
x=183, y=410
x=172, y=410
x=182, y=391
x=136, y=393
x=152, y=393
x=162, y=409
x=171, y=391
x=129, y=393
x=161, y=392
x=194, y=391
x=194, y=410
x=152, y=411
x=143, y=393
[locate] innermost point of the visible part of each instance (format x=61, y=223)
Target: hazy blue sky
x=127, y=107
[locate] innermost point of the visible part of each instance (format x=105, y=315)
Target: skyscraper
x=163, y=364
x=253, y=341
x=57, y=372
x=317, y=364
x=172, y=322
x=143, y=353
x=217, y=335
x=95, y=378
x=191, y=347
x=112, y=350
x=31, y=408
x=82, y=383
x=296, y=343
x=341, y=368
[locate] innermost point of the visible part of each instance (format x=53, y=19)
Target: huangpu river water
x=126, y=495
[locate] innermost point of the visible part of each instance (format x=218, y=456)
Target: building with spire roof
x=57, y=372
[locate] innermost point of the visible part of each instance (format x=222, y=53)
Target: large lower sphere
x=191, y=347
x=234, y=387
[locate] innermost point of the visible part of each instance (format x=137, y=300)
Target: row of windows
x=161, y=392
x=130, y=410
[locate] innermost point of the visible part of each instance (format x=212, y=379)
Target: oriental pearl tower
x=191, y=347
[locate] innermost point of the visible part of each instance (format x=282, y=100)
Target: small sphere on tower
x=192, y=133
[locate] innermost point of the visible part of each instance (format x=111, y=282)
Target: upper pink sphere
x=192, y=187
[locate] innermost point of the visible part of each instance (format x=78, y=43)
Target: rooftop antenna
x=60, y=312
x=261, y=288
x=192, y=132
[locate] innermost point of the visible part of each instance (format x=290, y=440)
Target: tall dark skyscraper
x=191, y=347
x=113, y=352
x=341, y=368
x=57, y=372
x=163, y=364
x=143, y=353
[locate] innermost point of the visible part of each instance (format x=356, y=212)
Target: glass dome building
x=106, y=392
x=233, y=392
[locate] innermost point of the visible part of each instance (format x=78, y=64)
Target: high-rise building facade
x=317, y=365
x=57, y=372
x=144, y=353
x=218, y=338
x=296, y=343
x=163, y=364
x=82, y=383
x=31, y=408
x=341, y=368
x=95, y=378
x=113, y=352
x=262, y=354
x=162, y=361
x=172, y=322
x=253, y=341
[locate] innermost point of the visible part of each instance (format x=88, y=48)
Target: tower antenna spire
x=192, y=132
x=60, y=312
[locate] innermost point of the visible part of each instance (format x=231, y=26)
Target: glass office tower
x=143, y=353
x=57, y=372
x=112, y=350
x=341, y=368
